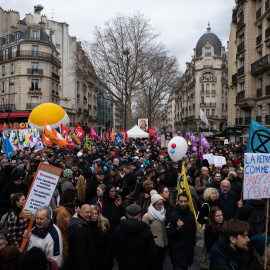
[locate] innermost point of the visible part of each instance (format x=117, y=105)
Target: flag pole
x=266, y=234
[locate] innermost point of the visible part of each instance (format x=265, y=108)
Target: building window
x=213, y=99
x=35, y=50
x=212, y=76
x=35, y=35
x=202, y=100
x=34, y=67
x=207, y=112
x=34, y=85
x=14, y=51
x=204, y=76
x=3, y=70
x=3, y=101
x=3, y=87
x=12, y=68
x=207, y=63
x=208, y=52
x=11, y=100
x=242, y=87
x=213, y=87
x=11, y=86
x=208, y=89
x=213, y=112
x=35, y=100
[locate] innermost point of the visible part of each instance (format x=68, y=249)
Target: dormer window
x=207, y=51
x=35, y=34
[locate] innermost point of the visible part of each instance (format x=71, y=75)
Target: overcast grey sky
x=179, y=22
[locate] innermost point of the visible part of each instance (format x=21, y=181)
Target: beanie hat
x=19, y=175
x=236, y=163
x=33, y=259
x=152, y=192
x=67, y=172
x=259, y=243
x=155, y=198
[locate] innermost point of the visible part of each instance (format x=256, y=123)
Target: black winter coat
x=103, y=254
x=228, y=205
x=133, y=246
x=80, y=245
x=183, y=241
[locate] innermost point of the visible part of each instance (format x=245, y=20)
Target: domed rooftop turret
x=213, y=40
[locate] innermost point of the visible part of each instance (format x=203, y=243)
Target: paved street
x=197, y=255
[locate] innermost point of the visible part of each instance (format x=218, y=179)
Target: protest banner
x=219, y=161
x=209, y=157
x=256, y=176
x=40, y=193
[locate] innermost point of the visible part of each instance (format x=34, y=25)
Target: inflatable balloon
x=54, y=113
x=177, y=148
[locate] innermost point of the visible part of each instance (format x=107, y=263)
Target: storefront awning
x=14, y=114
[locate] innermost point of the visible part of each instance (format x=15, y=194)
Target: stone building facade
x=249, y=66
x=203, y=85
x=57, y=62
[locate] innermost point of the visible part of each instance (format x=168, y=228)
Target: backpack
x=4, y=223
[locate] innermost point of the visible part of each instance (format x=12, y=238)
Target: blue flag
x=121, y=141
x=7, y=147
x=117, y=139
x=259, y=138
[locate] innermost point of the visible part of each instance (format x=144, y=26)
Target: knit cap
x=67, y=172
x=259, y=243
x=155, y=198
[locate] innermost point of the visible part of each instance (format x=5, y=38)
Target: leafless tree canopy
x=149, y=63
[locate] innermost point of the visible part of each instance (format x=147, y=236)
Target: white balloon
x=180, y=149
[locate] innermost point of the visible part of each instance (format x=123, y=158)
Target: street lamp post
x=126, y=53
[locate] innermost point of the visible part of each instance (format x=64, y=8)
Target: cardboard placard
x=256, y=176
x=41, y=190
x=209, y=157
x=168, y=136
x=219, y=161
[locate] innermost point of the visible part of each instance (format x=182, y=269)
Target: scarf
x=159, y=215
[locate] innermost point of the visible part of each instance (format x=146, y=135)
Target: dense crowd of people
x=119, y=205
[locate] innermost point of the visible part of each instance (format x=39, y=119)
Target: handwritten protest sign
x=256, y=176
x=209, y=157
x=219, y=161
x=42, y=189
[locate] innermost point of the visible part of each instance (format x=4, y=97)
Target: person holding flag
x=182, y=226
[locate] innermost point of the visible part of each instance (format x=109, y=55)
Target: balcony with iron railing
x=34, y=89
x=208, y=104
x=241, y=47
x=85, y=111
x=240, y=23
x=241, y=71
x=258, y=13
x=7, y=107
x=240, y=96
x=267, y=5
x=207, y=66
x=31, y=106
x=208, y=79
x=259, y=39
x=35, y=71
x=55, y=76
x=213, y=91
x=259, y=92
x=224, y=80
x=260, y=65
x=259, y=119
x=234, y=14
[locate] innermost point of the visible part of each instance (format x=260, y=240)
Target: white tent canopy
x=136, y=132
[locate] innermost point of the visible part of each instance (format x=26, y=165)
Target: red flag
x=70, y=142
x=122, y=132
x=107, y=137
x=126, y=136
x=78, y=134
x=64, y=130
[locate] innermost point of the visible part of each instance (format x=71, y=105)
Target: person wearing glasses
x=181, y=233
x=155, y=219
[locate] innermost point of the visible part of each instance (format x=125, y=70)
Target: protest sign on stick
x=40, y=193
x=256, y=183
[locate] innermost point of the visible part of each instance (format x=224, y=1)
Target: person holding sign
x=46, y=236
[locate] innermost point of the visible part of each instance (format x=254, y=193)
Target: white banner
x=256, y=176
x=209, y=157
x=219, y=161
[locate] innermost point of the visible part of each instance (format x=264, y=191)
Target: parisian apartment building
x=202, y=86
x=40, y=62
x=249, y=66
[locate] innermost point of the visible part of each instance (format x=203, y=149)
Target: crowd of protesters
x=119, y=205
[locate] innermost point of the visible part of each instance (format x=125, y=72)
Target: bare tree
x=142, y=67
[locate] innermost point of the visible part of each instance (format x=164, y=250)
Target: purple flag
x=192, y=137
x=204, y=142
x=201, y=152
x=172, y=132
x=193, y=142
x=158, y=138
x=180, y=134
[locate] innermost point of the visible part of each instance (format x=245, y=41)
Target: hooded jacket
x=222, y=254
x=133, y=246
x=80, y=245
x=182, y=241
